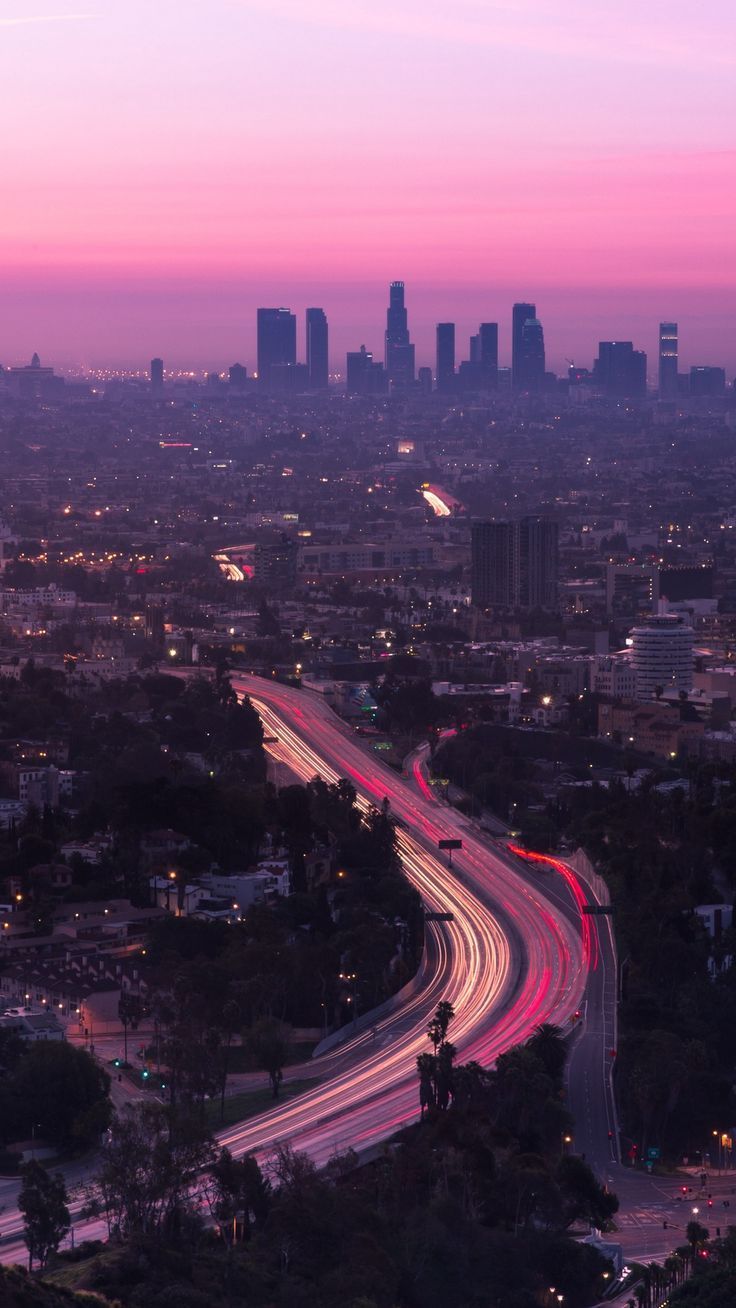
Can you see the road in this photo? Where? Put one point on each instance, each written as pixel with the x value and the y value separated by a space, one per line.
pixel 514 955
pixel 511 958
pixel 646 1202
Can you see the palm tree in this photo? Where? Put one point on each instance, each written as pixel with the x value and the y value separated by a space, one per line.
pixel 426 1064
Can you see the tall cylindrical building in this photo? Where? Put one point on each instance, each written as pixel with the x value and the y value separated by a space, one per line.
pixel 662 655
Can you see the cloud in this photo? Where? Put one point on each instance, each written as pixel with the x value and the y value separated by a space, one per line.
pixel 43 18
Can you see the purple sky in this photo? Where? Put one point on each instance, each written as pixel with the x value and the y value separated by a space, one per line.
pixel 169 166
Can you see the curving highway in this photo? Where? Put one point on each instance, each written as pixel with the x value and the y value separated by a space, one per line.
pixel 512 956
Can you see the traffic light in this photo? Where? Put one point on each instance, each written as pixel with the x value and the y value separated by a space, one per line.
pixel 116 1062
pixel 145 1074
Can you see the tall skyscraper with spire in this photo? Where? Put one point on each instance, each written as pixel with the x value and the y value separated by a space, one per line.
pixel 399 350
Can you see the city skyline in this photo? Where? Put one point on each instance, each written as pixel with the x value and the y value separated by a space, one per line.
pixel 177 189
pixel 645 336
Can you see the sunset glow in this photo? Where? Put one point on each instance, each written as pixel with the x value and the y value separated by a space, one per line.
pixel 170 166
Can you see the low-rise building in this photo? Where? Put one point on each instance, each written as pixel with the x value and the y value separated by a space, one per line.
pixel 32 1024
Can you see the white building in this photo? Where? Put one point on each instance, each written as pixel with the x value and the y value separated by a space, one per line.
pixel 614 676
pixel 32 1024
pixel 662 655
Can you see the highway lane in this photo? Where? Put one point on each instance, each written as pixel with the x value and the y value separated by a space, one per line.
pixel 589 1070
pixel 508 960
pixel 517 960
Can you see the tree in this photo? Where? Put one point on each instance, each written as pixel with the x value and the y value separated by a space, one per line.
pixel 238 1195
pixel 43 1203
pixel 549 1046
pixel 697 1235
pixel 583 1196
pixel 425 1068
pixel 62 1089
pixel 269 1042
pixel 130 1012
pixel 147 1169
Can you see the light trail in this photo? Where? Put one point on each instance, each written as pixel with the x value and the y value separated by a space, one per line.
pixel 231 570
pixel 437 505
pixel 509 959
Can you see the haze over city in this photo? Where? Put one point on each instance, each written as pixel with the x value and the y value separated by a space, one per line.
pixel 171 166
pixel 367 654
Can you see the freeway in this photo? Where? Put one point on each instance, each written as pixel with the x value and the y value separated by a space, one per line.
pixel 511 957
pixel 592 1047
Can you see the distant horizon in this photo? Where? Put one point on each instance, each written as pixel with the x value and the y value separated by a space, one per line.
pixel 166 320
pixel 172 166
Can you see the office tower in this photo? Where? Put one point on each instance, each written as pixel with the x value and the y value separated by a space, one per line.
pixel 399 350
pixel 157 374
pixel 317 350
pixel 424 378
pixel 364 376
pixel 520 314
pixel 667 360
pixel 707 381
pixel 276 342
pixel 289 379
pixel 275 561
pixel 445 356
pixel 662 655
pixel 474 350
pixel 238 376
pixel 620 370
pixel 530 369
pixel 538 566
pixel 488 333
pixel 492 564
pixel 515 564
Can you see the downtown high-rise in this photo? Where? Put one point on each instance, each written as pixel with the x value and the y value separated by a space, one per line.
pixel 317 350
pixel 445 367
pixel 276 344
pixel 668 352
pixel 514 565
pixel 399 356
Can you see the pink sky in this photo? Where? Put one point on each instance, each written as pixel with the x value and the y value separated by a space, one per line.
pixel 169 165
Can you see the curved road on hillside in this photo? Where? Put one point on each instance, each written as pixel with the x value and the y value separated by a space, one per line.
pixel 510 959
pixel 512 956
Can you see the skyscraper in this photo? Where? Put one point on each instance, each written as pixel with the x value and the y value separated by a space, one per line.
pixel 530 371
pixel 515 564
pixel 667 360
pixel 445 356
pixel 399 350
pixel 317 349
pixel 488 333
pixel 276 342
pixel 707 381
pixel 364 376
pixel 620 370
pixel 157 374
pixel 520 314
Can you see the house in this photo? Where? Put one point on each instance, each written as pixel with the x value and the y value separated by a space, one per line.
pixel 31 1024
